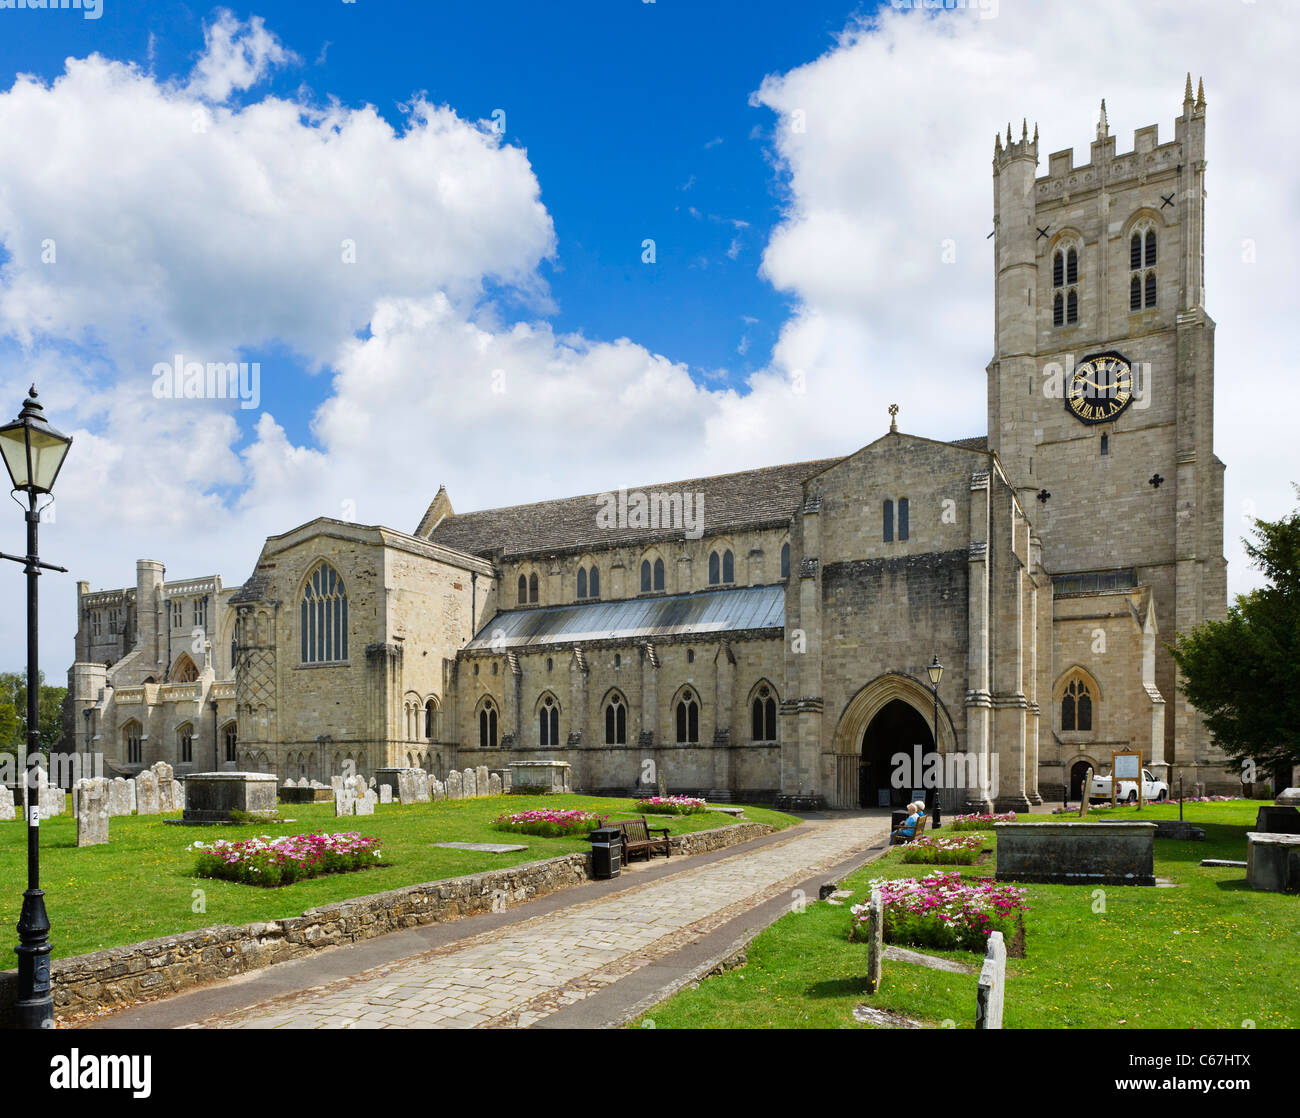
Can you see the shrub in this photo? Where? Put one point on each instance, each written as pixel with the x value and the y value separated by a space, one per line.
pixel 549 824
pixel 959 850
pixel 944 910
pixel 671 805
pixel 281 861
pixel 981 822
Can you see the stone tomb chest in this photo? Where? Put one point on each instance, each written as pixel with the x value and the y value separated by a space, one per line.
pixel 1076 853
pixel 211 797
pixel 539 776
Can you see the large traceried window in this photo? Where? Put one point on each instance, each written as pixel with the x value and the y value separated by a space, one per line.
pixel 688 719
pixel 324 617
pixel 1065 280
pixel 1076 706
pixel 616 720
pixel 487 725
pixel 1142 268
pixel 548 722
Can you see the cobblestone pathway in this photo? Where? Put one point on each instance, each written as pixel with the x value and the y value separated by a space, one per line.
pixel 516 976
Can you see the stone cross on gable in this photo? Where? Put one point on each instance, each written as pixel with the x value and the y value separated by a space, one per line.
pixel 893 417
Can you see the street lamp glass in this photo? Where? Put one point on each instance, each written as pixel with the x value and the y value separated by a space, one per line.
pixel 33 450
pixel 936 671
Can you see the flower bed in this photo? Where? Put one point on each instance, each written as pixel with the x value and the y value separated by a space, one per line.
pixel 671 805
pixel 281 861
pixel 944 910
pixel 936 850
pixel 980 822
pixel 549 824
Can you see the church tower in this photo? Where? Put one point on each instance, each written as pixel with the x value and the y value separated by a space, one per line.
pixel 1101 387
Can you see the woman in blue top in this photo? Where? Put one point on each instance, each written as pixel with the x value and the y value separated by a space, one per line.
pixel 907 829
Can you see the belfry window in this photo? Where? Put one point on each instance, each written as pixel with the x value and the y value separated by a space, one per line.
pixel 1065 277
pixel 323 615
pixel 1142 268
pixel 1076 706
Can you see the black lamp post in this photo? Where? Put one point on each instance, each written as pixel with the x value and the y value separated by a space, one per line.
pixel 935 671
pixel 33 452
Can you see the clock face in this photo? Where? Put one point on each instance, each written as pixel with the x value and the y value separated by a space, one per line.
pixel 1099 388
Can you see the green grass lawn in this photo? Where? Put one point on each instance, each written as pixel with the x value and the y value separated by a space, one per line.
pixel 1209 953
pixel 141 885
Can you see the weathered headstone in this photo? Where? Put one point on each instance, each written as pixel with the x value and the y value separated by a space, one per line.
pixel 875 940
pixel 421 786
pixel 481 780
pixel 494 785
pixel 992 985
pixel 336 782
pixel 366 800
pixel 469 783
pixel 454 791
pixel 385 793
pixel 345 796
pixel 119 796
pixel 437 790
pixel 92 812
pixel 6 803
pixel 146 793
pixel 1086 799
pixel 505 781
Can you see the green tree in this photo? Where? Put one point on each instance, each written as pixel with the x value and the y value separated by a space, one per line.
pixel 1243 673
pixel 13 712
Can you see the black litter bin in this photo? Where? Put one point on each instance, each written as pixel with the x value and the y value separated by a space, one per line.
pixel 606 851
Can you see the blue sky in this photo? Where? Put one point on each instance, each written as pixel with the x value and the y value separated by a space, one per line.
pixel 816 179
pixel 636 118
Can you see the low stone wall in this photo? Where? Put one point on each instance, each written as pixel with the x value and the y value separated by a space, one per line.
pixel 120 976
pixel 1076 853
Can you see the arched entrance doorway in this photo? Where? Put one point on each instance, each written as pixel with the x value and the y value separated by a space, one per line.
pixel 895 747
pixel 1077 772
pixel 891 714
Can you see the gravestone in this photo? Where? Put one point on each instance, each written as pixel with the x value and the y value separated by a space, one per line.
pixel 453 785
pixel 481 780
pixel 421 786
pixel 1273 819
pixel 119 796
pixel 992 984
pixel 406 786
pixel 336 782
pixel 494 785
pixel 345 802
pixel 385 794
pixel 1076 853
pixel 102 784
pixel 437 790
pixel 1288 796
pixel 1273 862
pixel 6 803
pixel 366 800
pixel 169 788
pixel 469 784
pixel 49 798
pixel 875 940
pixel 146 793
pixel 505 781
pixel 92 812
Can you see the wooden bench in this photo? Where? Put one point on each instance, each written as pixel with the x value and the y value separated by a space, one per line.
pixel 639 838
pixel 920 826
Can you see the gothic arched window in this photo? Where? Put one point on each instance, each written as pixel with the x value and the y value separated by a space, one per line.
pixel 785 560
pixel 134 737
pixel 487 725
pixel 728 566
pixel 548 722
pixel 688 719
pixel 1135 251
pixel 1151 249
pixel 430 709
pixel 616 720
pixel 185 736
pixel 523 590
pixel 659 574
pixel 1072 266
pixel 1076 706
pixel 902 518
pixel 889 521
pixel 593 582
pixel 582 582
pixel 324 617
pixel 1065 278
pixel 532 589
pixel 764 715
pixel 1058 269
pixel 1142 262
pixel 231 738
pixel 1058 310
pixel 715 569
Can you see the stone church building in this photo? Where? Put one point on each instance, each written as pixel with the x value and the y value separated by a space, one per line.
pixel 767 634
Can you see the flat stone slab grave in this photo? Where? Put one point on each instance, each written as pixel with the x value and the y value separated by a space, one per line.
pixel 211 797
pixel 1076 853
pixel 1273 862
pixel 482 847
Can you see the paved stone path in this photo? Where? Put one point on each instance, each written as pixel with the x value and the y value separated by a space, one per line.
pixel 518 975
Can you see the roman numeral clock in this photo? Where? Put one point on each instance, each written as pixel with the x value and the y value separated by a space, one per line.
pixel 1100 388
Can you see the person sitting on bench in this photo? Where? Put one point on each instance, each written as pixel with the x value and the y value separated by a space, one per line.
pixel 907 829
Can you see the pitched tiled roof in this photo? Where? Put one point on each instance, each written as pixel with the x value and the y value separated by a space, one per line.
pixel 977 442
pixel 731 501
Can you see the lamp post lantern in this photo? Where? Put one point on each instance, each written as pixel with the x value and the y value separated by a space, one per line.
pixel 935 671
pixel 33 453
